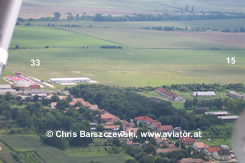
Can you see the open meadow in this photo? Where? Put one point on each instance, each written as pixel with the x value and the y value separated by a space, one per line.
pixel 135 65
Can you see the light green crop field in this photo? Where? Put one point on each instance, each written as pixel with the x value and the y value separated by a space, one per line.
pixel 38 37
pixel 219 24
pixel 139 38
pixel 200 5
pixel 121 67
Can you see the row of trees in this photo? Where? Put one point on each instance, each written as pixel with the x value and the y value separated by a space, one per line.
pixel 142 17
pixel 206 87
pixel 142 155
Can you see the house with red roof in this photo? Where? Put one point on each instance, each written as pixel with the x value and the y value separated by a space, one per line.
pixel 155 125
pixel 168 94
pixel 187 140
pixel 107 117
pixel 165 128
pixel 199 146
pixel 144 119
pixel 112 127
pixel 211 150
pixel 53 105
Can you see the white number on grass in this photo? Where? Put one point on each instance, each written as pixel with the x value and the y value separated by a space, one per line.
pixel 231 60
pixel 36 63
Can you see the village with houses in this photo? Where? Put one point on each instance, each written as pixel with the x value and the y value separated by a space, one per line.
pixel 30 88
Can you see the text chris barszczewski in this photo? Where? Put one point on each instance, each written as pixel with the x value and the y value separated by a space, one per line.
pixel 123 134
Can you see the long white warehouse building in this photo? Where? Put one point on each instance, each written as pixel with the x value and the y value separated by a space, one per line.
pixel 69 80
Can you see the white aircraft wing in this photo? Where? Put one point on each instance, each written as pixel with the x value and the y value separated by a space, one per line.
pixel 9 10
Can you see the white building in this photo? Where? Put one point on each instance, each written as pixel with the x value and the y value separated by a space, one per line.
pixel 236 95
pixel 69 80
pixel 218 113
pixel 204 94
pixel 13 92
pixel 5 86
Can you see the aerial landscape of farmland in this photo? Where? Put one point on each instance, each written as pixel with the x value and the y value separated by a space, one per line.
pixel 120 66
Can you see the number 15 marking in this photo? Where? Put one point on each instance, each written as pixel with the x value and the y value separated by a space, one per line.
pixel 231 60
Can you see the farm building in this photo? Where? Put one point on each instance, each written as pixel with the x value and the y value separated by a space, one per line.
pixel 204 94
pixel 11 91
pixel 201 109
pixel 236 95
pixel 22 82
pixel 4 88
pixel 69 80
pixel 229 118
pixel 168 94
pixel 218 113
pixel 35 92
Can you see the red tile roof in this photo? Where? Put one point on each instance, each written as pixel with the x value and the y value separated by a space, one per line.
pixel 200 145
pixel 54 104
pixel 168 93
pixel 109 116
pixel 166 127
pixel 113 127
pixel 13 78
pixel 145 118
pixel 156 124
pixel 212 149
pixel 187 139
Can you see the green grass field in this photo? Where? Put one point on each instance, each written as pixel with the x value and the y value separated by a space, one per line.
pixel 22 143
pixel 139 38
pixel 38 37
pixel 121 67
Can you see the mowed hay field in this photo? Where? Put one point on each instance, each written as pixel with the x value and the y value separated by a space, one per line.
pixel 121 67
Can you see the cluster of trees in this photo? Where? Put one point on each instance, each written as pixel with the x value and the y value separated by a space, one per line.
pixel 215 132
pixel 166 28
pixel 34 117
pixel 241 29
pixel 235 106
pixel 140 17
pixel 206 87
pixel 110 47
pixel 128 105
pixel 142 155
